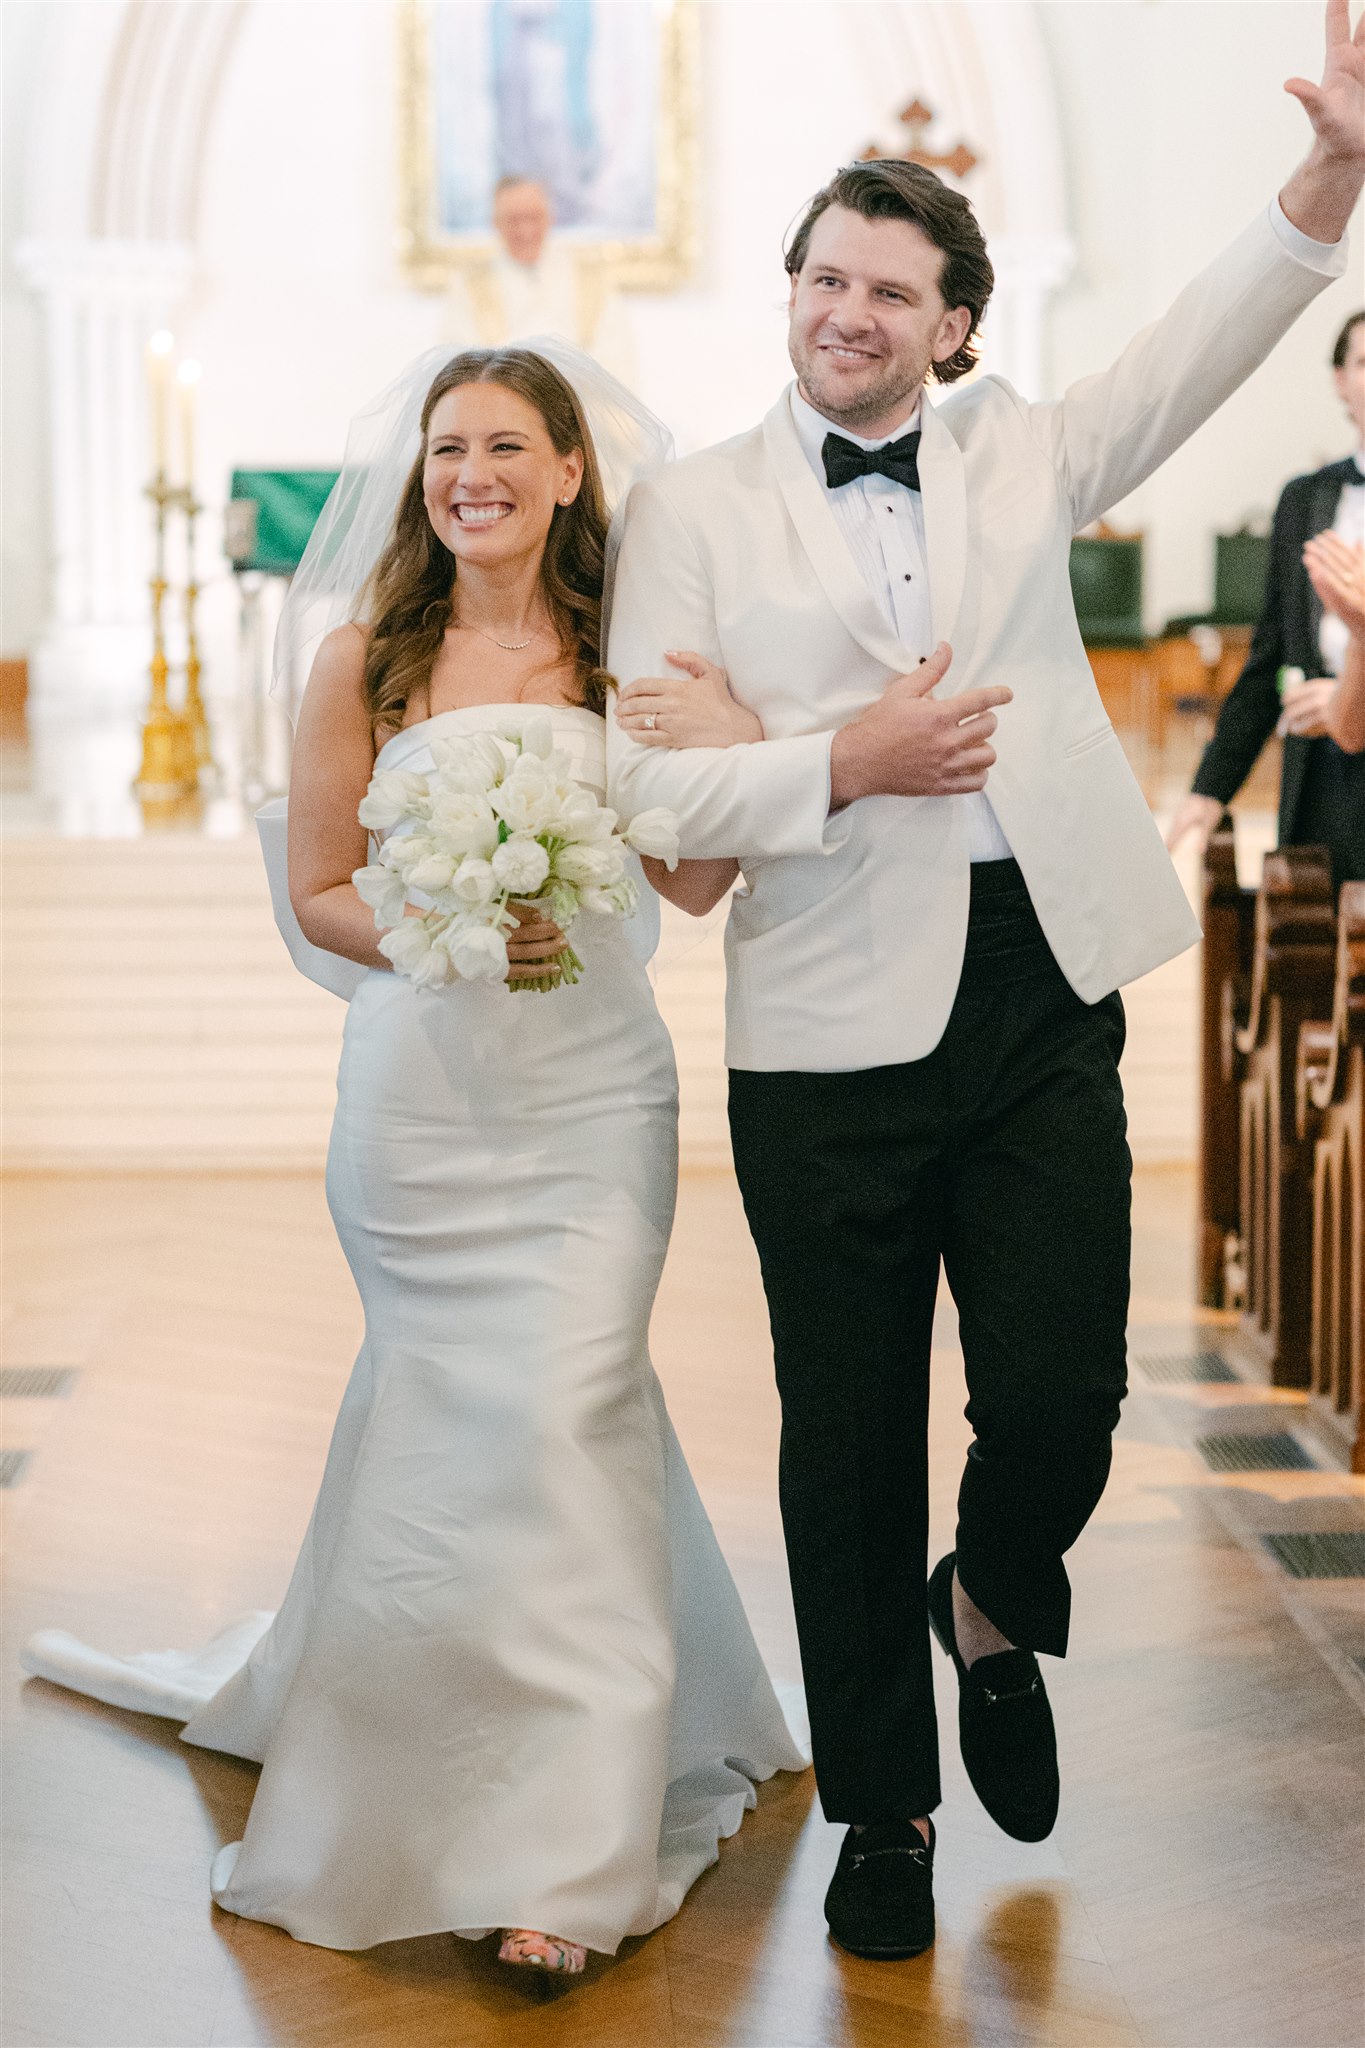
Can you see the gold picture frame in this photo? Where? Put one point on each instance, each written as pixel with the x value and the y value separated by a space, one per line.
pixel 659 259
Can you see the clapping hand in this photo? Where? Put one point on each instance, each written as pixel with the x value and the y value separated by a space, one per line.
pixel 695 709
pixel 1336 571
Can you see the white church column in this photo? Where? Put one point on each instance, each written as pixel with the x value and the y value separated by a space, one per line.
pixel 1029 268
pixel 101 301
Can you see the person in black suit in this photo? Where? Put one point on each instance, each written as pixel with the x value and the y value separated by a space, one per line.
pixel 1322 788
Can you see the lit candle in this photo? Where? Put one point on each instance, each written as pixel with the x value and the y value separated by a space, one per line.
pixel 187 377
pixel 159 375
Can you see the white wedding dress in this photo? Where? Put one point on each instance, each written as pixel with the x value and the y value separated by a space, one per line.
pixel 511 1683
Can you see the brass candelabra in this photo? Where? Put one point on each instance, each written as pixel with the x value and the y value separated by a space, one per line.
pixel 176 747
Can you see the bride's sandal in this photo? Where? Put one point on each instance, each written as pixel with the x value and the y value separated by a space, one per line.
pixel 527 1950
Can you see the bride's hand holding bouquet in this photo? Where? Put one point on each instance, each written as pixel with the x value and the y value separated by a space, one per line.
pixel 499 853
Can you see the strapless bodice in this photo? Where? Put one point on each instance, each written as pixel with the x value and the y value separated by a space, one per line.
pixel 579 734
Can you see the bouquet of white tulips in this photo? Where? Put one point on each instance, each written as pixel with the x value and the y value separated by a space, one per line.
pixel 496 821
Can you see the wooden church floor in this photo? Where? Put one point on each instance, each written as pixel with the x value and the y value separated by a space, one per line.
pixel 1202 1888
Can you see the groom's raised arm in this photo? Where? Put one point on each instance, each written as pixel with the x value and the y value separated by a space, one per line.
pixel 1111 431
pixel 742 802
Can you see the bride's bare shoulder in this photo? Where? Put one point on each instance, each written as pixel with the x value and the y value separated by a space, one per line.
pixel 336 681
pixel 342 651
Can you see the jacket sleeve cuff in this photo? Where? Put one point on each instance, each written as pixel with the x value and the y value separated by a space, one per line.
pixel 1327 258
pixel 1207 784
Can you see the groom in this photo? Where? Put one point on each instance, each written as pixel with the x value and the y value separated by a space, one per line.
pixel 923 1028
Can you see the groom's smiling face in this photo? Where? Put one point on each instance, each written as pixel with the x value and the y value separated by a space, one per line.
pixel 867 319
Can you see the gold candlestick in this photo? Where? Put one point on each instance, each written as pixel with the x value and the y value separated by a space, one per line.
pixel 168 771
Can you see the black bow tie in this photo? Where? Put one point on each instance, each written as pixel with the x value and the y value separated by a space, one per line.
pixel 844 460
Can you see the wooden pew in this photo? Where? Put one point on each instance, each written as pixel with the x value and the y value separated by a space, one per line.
pixel 1227 914
pixel 1330 1106
pixel 1292 979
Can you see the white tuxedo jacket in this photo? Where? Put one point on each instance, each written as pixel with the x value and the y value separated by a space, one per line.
pixel 844 947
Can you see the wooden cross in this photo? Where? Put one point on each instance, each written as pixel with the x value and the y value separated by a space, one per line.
pixel 918 118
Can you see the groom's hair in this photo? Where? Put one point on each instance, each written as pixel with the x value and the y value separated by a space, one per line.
pixel 889 188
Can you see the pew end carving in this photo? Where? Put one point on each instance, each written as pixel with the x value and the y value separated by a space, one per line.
pixel 1269 970
pixel 1330 1113
pixel 1227 913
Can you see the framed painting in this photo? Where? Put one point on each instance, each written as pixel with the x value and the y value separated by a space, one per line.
pixel 596 100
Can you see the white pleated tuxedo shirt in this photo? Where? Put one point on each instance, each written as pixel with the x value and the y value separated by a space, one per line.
pixel 883 523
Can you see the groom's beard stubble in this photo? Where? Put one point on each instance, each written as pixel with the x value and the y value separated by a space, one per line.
pixel 892 389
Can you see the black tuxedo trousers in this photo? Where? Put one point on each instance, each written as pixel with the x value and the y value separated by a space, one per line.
pixel 1001 1157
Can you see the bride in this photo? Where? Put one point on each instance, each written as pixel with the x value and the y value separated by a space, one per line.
pixel 511 1685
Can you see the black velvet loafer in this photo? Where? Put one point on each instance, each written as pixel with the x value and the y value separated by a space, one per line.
pixel 880 1902
pixel 1004 1725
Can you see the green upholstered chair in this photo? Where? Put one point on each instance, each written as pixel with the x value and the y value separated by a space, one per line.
pixel 1106 585
pixel 1241 563
pixel 287 503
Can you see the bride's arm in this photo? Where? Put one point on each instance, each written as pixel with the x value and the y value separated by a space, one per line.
pixel 696 886
pixel 673 711
pixel 331 769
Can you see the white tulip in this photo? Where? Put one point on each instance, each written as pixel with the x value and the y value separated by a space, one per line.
pixel 383 891
pixel 391 797
pixel 520 866
pixel 617 900
pixel 434 971
pixel 538 739
pixel 473 883
pixel 432 872
pixel 473 765
pixel 409 946
pixel 560 900
pixel 476 951
pixel 464 823
pixel 654 832
pixel 525 801
pixel 404 850
pixel 580 814
pixel 590 866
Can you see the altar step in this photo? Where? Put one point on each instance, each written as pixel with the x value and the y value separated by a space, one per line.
pixel 152 1020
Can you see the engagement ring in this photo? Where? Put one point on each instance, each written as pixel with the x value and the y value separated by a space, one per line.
pixel 650 721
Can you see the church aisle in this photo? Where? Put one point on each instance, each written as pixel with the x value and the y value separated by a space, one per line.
pixel 1202 1889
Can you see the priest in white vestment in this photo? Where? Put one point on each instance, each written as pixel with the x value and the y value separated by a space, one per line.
pixel 535 284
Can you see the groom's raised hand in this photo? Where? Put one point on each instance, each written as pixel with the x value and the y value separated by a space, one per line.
pixel 1321 194
pixel 908 744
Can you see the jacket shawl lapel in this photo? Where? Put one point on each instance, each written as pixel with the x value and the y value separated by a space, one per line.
pixel 945 518
pixel 943 482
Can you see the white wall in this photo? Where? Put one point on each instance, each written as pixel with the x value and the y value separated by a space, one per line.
pixel 23 450
pixel 1177 129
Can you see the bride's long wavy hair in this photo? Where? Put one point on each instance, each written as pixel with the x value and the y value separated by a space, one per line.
pixel 409 600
